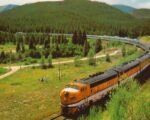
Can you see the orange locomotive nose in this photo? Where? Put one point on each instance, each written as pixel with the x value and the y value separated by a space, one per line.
pixel 69 95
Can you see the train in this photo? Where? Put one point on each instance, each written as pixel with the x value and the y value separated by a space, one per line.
pixel 80 94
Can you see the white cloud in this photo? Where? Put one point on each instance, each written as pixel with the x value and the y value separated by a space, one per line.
pixel 144 5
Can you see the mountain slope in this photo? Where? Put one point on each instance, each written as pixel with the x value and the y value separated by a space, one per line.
pixel 124 8
pixel 70 15
pixel 2 8
pixel 7 7
pixel 141 13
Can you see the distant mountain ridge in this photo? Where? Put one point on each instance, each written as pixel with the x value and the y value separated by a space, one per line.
pixel 7 7
pixel 141 13
pixel 72 15
pixel 124 8
pixel 69 15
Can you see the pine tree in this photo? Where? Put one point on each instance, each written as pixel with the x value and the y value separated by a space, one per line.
pixel 86 48
pixel 74 38
pixel 77 61
pixel 47 42
pixel 43 62
pixel 108 58
pixel 2 57
pixel 98 46
pixel 91 60
pixel 84 38
pixel 123 51
pixel 31 44
pixel 18 48
pixel 50 61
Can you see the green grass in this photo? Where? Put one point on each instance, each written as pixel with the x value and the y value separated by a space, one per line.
pixel 23 96
pixel 8 47
pixel 145 39
pixel 2 71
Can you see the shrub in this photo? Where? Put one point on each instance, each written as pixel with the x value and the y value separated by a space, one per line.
pixel 108 58
pixel 91 59
pixel 95 114
pixel 43 65
pixel 120 99
pixel 77 61
pixel 124 51
pixel 50 61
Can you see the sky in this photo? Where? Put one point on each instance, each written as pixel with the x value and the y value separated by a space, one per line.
pixel 133 3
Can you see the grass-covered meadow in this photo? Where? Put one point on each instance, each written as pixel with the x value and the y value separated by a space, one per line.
pixel 145 39
pixel 3 70
pixel 23 96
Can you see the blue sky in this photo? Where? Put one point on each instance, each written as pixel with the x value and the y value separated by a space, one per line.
pixel 133 3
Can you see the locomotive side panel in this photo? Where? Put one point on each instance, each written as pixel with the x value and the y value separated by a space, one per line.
pixel 104 85
pixel 133 71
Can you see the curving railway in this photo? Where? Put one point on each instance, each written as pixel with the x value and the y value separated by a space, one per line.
pixel 80 94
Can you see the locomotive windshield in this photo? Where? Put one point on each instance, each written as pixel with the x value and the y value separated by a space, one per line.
pixel 72 86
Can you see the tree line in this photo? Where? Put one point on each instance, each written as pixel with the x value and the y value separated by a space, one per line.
pixel 37 46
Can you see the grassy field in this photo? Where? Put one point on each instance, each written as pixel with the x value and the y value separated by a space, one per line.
pixel 145 39
pixel 23 96
pixel 8 48
pixel 2 71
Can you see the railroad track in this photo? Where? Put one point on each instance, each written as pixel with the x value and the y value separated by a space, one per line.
pixel 56 117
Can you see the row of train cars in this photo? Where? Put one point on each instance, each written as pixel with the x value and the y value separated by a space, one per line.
pixel 80 94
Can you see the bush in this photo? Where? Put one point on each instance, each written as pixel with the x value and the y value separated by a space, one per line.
pixel 30 60
pixel 43 65
pixel 77 61
pixel 50 61
pixel 95 114
pixel 91 59
pixel 108 58
pixel 124 52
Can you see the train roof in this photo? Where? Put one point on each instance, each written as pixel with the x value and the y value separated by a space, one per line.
pixel 126 66
pixel 94 80
pixel 100 78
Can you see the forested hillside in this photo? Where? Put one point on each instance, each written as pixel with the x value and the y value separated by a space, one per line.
pixel 142 13
pixel 71 15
